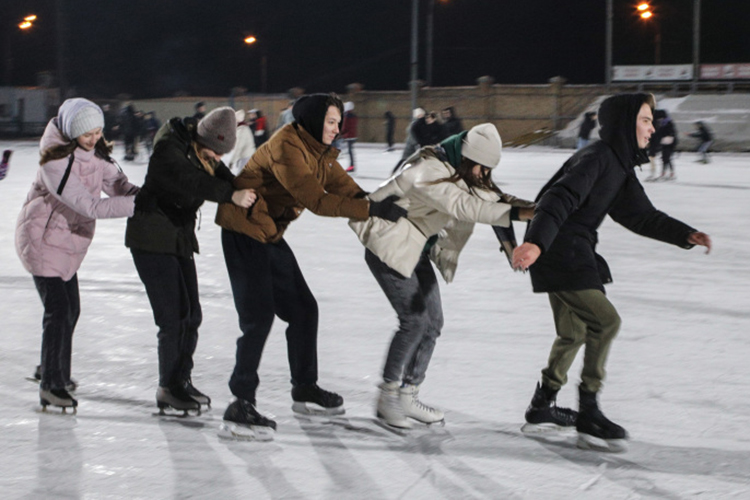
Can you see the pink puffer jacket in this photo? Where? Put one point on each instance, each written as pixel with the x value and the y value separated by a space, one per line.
pixel 54 231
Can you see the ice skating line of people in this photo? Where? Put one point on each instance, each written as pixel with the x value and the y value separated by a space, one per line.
pixel 422 216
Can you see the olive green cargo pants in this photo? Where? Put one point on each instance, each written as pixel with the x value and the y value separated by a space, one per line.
pixel 581 317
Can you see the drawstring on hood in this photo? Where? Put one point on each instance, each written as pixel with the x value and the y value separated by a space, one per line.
pixel 617 118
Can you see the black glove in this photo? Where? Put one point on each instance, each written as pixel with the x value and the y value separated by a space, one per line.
pixel 387 209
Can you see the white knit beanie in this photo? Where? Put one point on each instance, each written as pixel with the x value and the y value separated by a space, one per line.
pixel 77 116
pixel 483 145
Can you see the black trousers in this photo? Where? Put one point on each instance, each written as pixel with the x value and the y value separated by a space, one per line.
pixel 62 307
pixel 350 146
pixel 666 158
pixel 267 282
pixel 172 288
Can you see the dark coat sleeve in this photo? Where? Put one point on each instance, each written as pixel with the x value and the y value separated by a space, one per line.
pixel 563 197
pixel 174 173
pixel 222 172
pixel 634 210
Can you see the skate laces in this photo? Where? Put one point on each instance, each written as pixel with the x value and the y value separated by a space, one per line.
pixel 191 390
pixel 317 395
pixel 420 405
pixel 564 414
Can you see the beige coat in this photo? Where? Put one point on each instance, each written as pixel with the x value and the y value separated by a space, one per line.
pixel 446 209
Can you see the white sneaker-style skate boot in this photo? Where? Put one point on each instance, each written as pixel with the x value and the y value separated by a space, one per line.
pixel 414 408
pixel 389 406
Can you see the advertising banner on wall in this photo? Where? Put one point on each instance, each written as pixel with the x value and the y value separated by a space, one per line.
pixel 664 72
pixel 725 71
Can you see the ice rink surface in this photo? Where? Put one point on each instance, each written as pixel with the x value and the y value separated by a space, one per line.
pixel 678 374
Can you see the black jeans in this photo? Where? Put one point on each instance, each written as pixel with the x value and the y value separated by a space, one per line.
pixel 267 282
pixel 62 306
pixel 172 288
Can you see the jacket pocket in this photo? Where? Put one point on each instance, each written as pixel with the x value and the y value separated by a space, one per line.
pixel 151 232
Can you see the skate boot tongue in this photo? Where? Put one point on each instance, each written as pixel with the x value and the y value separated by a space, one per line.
pixel 312 400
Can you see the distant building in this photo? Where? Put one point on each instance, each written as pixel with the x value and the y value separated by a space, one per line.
pixel 26 110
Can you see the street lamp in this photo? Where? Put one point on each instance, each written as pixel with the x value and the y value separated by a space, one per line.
pixel 645 12
pixel 250 40
pixel 27 23
pixel 608 42
pixel 430 38
pixel 414 57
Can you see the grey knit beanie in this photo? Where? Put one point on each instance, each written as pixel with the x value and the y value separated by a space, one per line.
pixel 218 130
pixel 77 116
pixel 483 145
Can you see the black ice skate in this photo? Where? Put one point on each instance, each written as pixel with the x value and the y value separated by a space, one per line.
pixel 595 431
pixel 543 414
pixel 57 397
pixel 176 398
pixel 196 394
pixel 242 421
pixel 310 399
pixel 70 386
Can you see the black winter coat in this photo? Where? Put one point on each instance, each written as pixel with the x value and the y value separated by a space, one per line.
pixel 428 134
pixel 176 186
pixel 598 180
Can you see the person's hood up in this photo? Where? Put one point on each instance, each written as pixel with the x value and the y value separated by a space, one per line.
pixel 309 111
pixel 52 136
pixel 617 119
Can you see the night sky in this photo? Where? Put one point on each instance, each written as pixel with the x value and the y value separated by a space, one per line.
pixel 154 48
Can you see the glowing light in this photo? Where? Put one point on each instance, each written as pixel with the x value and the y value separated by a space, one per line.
pixel 647 14
pixel 643 6
pixel 25 25
pixel 30 18
pixel 251 39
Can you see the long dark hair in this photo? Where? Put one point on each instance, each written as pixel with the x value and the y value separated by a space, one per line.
pixel 464 173
pixel 102 149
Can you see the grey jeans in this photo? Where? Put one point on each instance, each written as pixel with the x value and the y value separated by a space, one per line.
pixel 416 300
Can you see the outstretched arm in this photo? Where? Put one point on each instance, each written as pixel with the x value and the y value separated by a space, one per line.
pixel 701 239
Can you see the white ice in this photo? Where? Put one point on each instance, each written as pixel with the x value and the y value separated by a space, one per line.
pixel 678 374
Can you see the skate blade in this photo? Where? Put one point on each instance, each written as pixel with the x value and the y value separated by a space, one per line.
pixel 311 409
pixel 422 423
pixel 401 431
pixel 63 409
pixel 170 411
pixel 589 442
pixel 32 379
pixel 546 428
pixel 239 432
